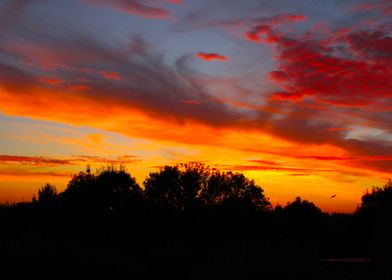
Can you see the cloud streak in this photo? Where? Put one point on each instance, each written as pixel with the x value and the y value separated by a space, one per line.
pixel 37 161
pixel 211 56
pixel 141 8
pixel 75 160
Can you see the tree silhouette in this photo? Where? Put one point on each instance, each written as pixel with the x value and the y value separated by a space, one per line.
pixel 117 189
pixel 376 210
pixel 189 185
pixel 303 213
pixel 110 189
pixel 80 191
pixel 233 188
pixel 47 196
pixel 199 218
pixel 166 189
pixel 376 202
pixel 302 207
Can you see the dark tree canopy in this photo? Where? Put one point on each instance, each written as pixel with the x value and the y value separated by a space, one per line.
pixel 303 209
pixel 47 196
pixel 110 189
pixel 377 201
pixel 174 187
pixel 188 185
pixel 80 190
pixel 117 188
pixel 229 187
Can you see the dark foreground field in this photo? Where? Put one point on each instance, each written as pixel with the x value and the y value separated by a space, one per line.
pixel 82 232
pixel 208 245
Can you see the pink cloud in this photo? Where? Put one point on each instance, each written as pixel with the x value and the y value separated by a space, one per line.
pixel 136 7
pixel 110 75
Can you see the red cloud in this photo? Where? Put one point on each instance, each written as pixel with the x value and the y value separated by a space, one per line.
pixel 374 45
pixel 293 96
pixel 211 56
pixel 110 75
pixel 384 6
pixel 191 101
pixel 282 19
pixel 278 76
pixel 264 162
pixel 358 76
pixel 50 81
pixel 263 31
pixel 136 7
pixel 339 128
pixel 308 66
pixel 79 87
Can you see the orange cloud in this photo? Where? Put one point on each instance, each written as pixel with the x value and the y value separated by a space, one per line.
pixel 211 56
pixel 326 157
pixel 236 167
pixel 136 107
pixel 124 159
pixel 107 112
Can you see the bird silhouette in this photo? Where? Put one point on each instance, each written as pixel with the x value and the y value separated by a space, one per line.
pixel 333 196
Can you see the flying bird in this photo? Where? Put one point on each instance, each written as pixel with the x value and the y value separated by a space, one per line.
pixel 333 196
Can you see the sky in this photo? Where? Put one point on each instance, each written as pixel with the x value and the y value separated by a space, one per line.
pixel 295 94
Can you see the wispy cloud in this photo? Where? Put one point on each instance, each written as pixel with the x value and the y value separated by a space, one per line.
pixel 142 8
pixel 211 56
pixel 75 160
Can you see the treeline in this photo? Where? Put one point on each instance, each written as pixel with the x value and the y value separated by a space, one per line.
pixel 183 187
pixel 194 222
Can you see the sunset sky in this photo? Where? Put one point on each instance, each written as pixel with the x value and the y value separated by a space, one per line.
pixel 295 94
